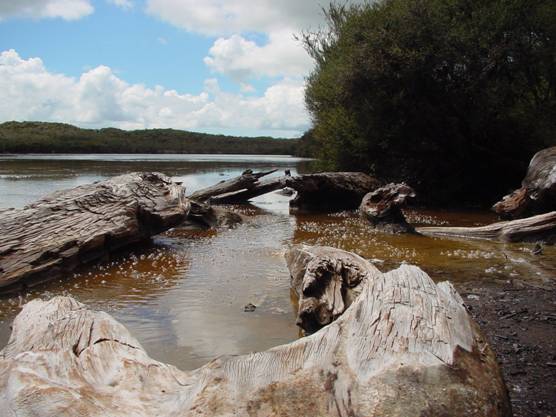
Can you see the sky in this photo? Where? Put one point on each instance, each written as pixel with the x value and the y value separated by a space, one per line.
pixel 216 66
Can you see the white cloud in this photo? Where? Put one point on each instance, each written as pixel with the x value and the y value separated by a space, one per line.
pixel 36 9
pixel 99 98
pixel 242 59
pixel 162 40
pixel 232 53
pixel 225 17
pixel 124 4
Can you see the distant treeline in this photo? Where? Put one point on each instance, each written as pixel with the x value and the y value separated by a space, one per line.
pixel 40 137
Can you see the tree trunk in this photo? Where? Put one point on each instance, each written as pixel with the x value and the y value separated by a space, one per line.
pixel 328 191
pixel 258 189
pixel 538 189
pixel 51 237
pixel 532 229
pixel 405 347
pixel 245 181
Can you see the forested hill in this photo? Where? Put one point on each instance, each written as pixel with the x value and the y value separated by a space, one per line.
pixel 40 137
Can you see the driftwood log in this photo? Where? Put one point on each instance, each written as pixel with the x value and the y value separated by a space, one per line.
pixel 63 230
pixel 405 347
pixel 324 191
pixel 331 190
pixel 382 207
pixel 247 180
pixel 531 229
pixel 538 189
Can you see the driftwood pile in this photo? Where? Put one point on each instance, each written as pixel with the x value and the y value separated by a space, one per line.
pixel 317 192
pixel 404 346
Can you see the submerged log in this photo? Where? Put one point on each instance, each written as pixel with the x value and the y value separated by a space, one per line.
pixel 382 207
pixel 331 190
pixel 531 229
pixel 405 347
pixel 63 230
pixel 246 180
pixel 538 189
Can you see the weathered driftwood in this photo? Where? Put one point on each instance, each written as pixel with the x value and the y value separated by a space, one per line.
pixel 56 234
pixel 405 347
pixel 331 190
pixel 382 207
pixel 245 181
pixel 258 189
pixel 316 192
pixel 538 189
pixel 536 228
pixel 326 282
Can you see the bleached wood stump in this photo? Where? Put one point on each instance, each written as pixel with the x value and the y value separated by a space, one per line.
pixel 405 347
pixel 51 237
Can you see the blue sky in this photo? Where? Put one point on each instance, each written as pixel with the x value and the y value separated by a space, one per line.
pixel 226 66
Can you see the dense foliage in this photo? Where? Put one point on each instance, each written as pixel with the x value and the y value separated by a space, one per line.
pixel 38 137
pixel 449 95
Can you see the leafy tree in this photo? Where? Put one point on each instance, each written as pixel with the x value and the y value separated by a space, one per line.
pixel 453 96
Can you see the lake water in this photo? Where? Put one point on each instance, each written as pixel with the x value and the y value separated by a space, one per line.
pixel 183 297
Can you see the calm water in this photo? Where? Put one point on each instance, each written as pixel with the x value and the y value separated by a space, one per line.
pixel 183 297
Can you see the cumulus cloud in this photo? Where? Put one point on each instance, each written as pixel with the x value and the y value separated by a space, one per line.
pixel 36 9
pixel 235 55
pixel 99 98
pixel 242 59
pixel 225 17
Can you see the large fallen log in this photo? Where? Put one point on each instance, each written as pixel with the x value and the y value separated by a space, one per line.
pixel 538 189
pixel 531 229
pixel 324 191
pixel 331 190
pixel 51 237
pixel 246 180
pixel 405 347
pixel 258 189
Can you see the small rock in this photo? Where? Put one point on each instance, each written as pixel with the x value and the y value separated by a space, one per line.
pixel 249 308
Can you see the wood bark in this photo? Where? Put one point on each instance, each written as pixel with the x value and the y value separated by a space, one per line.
pixel 53 236
pixel 245 181
pixel 382 207
pixel 531 229
pixel 405 347
pixel 538 189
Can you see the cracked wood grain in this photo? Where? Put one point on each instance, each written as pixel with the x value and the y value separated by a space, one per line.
pixel 51 237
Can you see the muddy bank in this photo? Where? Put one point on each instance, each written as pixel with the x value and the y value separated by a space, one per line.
pixel 519 320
